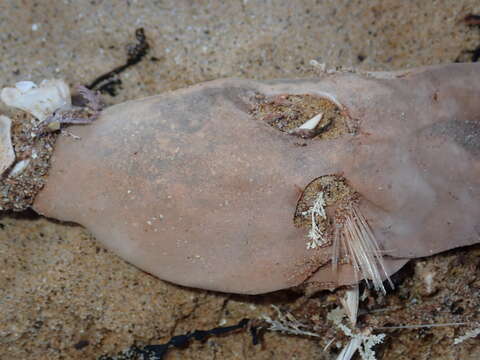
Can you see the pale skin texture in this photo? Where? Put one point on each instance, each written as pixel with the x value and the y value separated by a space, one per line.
pixel 189 187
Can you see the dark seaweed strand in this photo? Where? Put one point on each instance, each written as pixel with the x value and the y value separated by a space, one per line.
pixel 471 20
pixel 157 352
pixel 108 83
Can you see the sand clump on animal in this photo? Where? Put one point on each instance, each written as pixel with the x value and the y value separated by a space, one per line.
pixel 19 188
pixel 288 112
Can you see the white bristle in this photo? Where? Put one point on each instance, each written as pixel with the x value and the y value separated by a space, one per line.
pixel 358 242
pixel 350 303
pixel 350 350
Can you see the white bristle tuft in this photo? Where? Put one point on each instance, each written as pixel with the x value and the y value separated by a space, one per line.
pixel 336 247
pixel 357 240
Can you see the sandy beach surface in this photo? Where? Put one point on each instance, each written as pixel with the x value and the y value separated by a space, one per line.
pixel 63 296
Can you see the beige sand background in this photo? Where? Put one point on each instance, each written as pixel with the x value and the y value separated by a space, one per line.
pixel 62 296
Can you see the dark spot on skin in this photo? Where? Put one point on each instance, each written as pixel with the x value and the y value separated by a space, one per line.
pixel 477 229
pixel 238 97
pixel 194 110
pixel 186 114
pixel 464 133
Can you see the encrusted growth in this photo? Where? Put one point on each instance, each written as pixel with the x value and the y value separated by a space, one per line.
pixel 33 135
pixel 361 340
pixel 306 116
pixel 20 184
pixel 287 324
pixel 321 196
pixel 316 236
pixel 329 208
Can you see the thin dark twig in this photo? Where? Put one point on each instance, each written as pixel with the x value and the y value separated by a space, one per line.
pixel 474 54
pixel 472 19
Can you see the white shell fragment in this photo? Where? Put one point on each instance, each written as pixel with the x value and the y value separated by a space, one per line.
pixel 322 67
pixel 7 155
pixel 312 123
pixel 19 167
pixel 25 86
pixel 39 101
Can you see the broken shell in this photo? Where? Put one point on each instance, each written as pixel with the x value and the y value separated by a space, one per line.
pixel 7 155
pixel 312 123
pixel 19 167
pixel 309 128
pixel 25 86
pixel 39 101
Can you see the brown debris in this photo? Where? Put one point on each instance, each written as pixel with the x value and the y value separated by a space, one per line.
pixel 33 142
pixel 288 112
pixel 335 189
pixel 18 189
pixel 337 194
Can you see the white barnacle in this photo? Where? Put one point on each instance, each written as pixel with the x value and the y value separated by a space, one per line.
pixel 7 154
pixel 40 101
